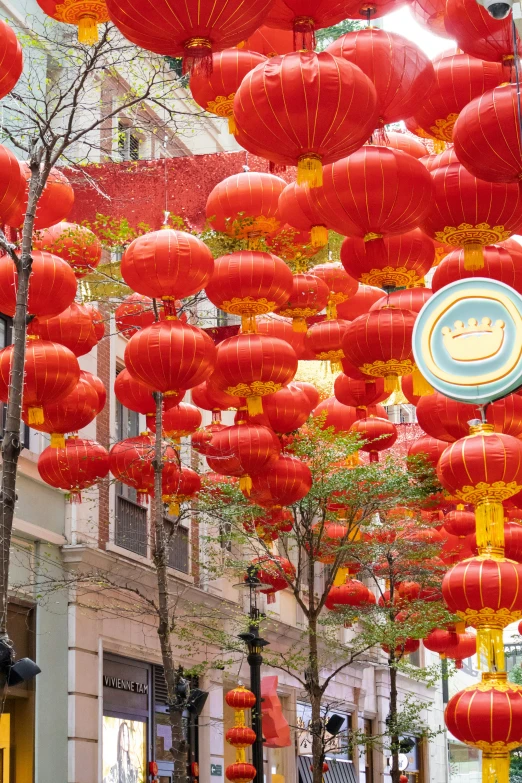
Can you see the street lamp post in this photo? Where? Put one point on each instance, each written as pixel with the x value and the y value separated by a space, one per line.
pixel 255 646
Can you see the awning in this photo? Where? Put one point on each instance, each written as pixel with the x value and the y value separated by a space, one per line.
pixel 339 771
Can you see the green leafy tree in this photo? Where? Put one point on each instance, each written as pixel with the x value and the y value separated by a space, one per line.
pixel 328 35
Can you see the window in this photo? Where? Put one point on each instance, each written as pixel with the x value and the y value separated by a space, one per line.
pixel 131 518
pixel 128 142
pixel 179 548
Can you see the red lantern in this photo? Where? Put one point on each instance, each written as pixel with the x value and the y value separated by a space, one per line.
pixel 52 285
pixel 430 449
pixel 131 462
pixel 458 80
pixel 170 356
pixel 430 14
pixel 85 14
pixel 244 205
pixel 465 646
pixel 352 593
pixel 459 523
pixel 179 421
pixel 134 313
pixel 400 72
pixel 215 92
pixel 440 640
pixel 73 328
pixel 270 42
pixel 282 328
pixel 210 398
pixel 249 283
pixel 324 341
pixel 488 715
pixel 11 59
pixel 274 571
pixel 240 772
pixel 448 419
pixel 253 446
pixel 297 209
pixel 401 260
pixel 433 162
pixel 304 17
pixel 51 372
pixel 252 366
pixel 286 481
pixel 404 142
pixel 69 414
pixel 76 466
pixel 240 736
pixel 336 415
pixel 501 262
pixel 54 204
pixel 310 391
pixel 470 213
pixel 360 303
pixel 478 33
pixel 98 386
pixel 340 284
pixel 309 296
pixel 375 191
pixel 240 698
pixel 358 394
pixel 287 110
pixel 137 396
pixel 166 265
pixel 12 185
pixel 412 299
pixel 182 487
pixel 287 409
pixel 77 245
pixel 192 32
pixel 378 434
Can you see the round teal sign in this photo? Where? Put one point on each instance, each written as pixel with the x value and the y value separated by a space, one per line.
pixel 467 340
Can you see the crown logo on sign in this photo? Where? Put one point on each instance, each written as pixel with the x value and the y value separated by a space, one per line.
pixel 475 341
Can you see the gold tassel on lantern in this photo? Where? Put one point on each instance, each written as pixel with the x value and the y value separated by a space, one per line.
pixel 490 644
pixel 174 508
pixel 310 171
pixel 392 384
pixel 254 405
pixel 421 387
pixel 341 576
pixel 318 236
pixel 248 324
pixel 245 484
pixel 232 127
pixel 57 440
pixel 299 324
pixel 473 257
pixel 495 767
pixel 438 146
pixel 331 310
pixel 35 415
pixel 87 30
pixel 489 517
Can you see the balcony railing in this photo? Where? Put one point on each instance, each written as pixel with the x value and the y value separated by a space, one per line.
pixel 131 526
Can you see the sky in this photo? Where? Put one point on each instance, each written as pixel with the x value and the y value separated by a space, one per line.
pixel 403 23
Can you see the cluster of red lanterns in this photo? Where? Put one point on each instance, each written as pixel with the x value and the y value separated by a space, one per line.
pixel 240 736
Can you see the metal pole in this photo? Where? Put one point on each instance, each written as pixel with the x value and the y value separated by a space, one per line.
pixel 255 660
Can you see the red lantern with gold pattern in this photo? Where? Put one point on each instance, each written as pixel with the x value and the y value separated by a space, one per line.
pixel 137 396
pixel 412 299
pixel 309 296
pixel 73 327
pixel 249 283
pixel 52 285
pixel 400 260
pixel 245 205
pixel 69 414
pixel 54 205
pixel 86 15
pixel 240 772
pixel 374 192
pixel 377 435
pixel 274 571
pixel 470 213
pixel 304 17
pixel 286 481
pixel 193 31
pixel 458 80
pixel 77 245
pixel 181 487
pixel 501 262
pixel 430 449
pixel 179 421
pixel 167 265
pixel 340 284
pixel 479 34
pixel 336 415
pixel 359 303
pixel 254 447
pixel 215 92
pixel 324 341
pixel 297 209
pixel 240 698
pixel 210 398
pixel 269 41
pixel 76 466
pixel 240 736
pixel 488 715
pixel 131 462
pixel 358 394
pixel 287 110
pixel 400 72
pixel 287 409
pixel 170 356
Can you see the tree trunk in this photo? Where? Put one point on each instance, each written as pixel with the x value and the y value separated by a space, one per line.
pixel 395 739
pixel 176 704
pixel 314 689
pixel 11 445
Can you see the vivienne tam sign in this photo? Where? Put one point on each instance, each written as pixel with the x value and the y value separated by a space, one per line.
pixel 125 685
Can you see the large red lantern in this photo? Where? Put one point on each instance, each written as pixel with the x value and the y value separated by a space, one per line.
pixel 210 398
pixel 324 341
pixel 76 466
pixel 376 435
pixel 135 312
pixel 77 245
pixel 167 265
pixel 269 41
pixel 340 284
pixel 170 356
pixel 52 285
pixel 488 715
pixel 73 328
pixel 487 136
pixel 182 487
pixel 356 393
pixel 287 409
pixel 459 522
pixel 12 185
pixel 501 262
pixel 304 17
pixel 391 261
pixel 404 142
pixel 310 391
pixel 296 208
pixel 254 447
pixel 137 396
pixel 478 33
pixel 131 462
pixel 253 365
pixel 178 421
pixel 379 345
pixel 333 413
pixel 484 469
pixel 98 386
pixel 249 283
pixel 360 303
pixel 215 92
pixel 282 328
pixel 352 593
pixel 308 297
pixel 244 205
pixel 287 110
pixel 469 212
pixel 400 72
pixel 374 192
pixel 440 640
pixel 275 571
pixel 84 14
pixel 69 414
pixel 11 59
pixel 54 205
pixel 286 481
pixel 430 449
pixel 412 299
pixel 51 372
pixel 458 79
pixel 193 31
pixel 447 419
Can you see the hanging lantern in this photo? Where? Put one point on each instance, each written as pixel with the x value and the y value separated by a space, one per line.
pixel 400 72
pixel 309 296
pixel 73 327
pixel 488 715
pixel 440 640
pixel 352 593
pixel 374 192
pixel 324 341
pixel 297 209
pixel 444 158
pixel 341 286
pixel 255 448
pixel 430 14
pixel 179 421
pixel 244 206
pixel 377 434
pixel 458 80
pixel 52 285
pixel 412 299
pixel 76 466
pixel 448 419
pixel 480 35
pixel 388 262
pixel 465 646
pixel 167 265
pixel 137 396
pixel 282 328
pixel 501 262
pixel 131 462
pixel 404 142
pixel 336 415
pixel 310 391
pixel 86 15
pixel 51 372
pixel 274 571
pixel 77 245
pixel 329 538
pixel 370 9
pixel 180 487
pixel 287 110
pixel 193 32
pixel 269 41
pixel 54 205
pixel 379 345
pixel 210 398
pixel 470 213
pixel 11 59
pixel 249 283
pixel 359 303
pixel 69 414
pixel 170 356
pixel 287 409
pixel 98 386
pixel 430 449
pixel 240 736
pixel 215 92
pixel 459 523
pixel 286 481
pixel 358 394
pixel 12 185
pixel 304 17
